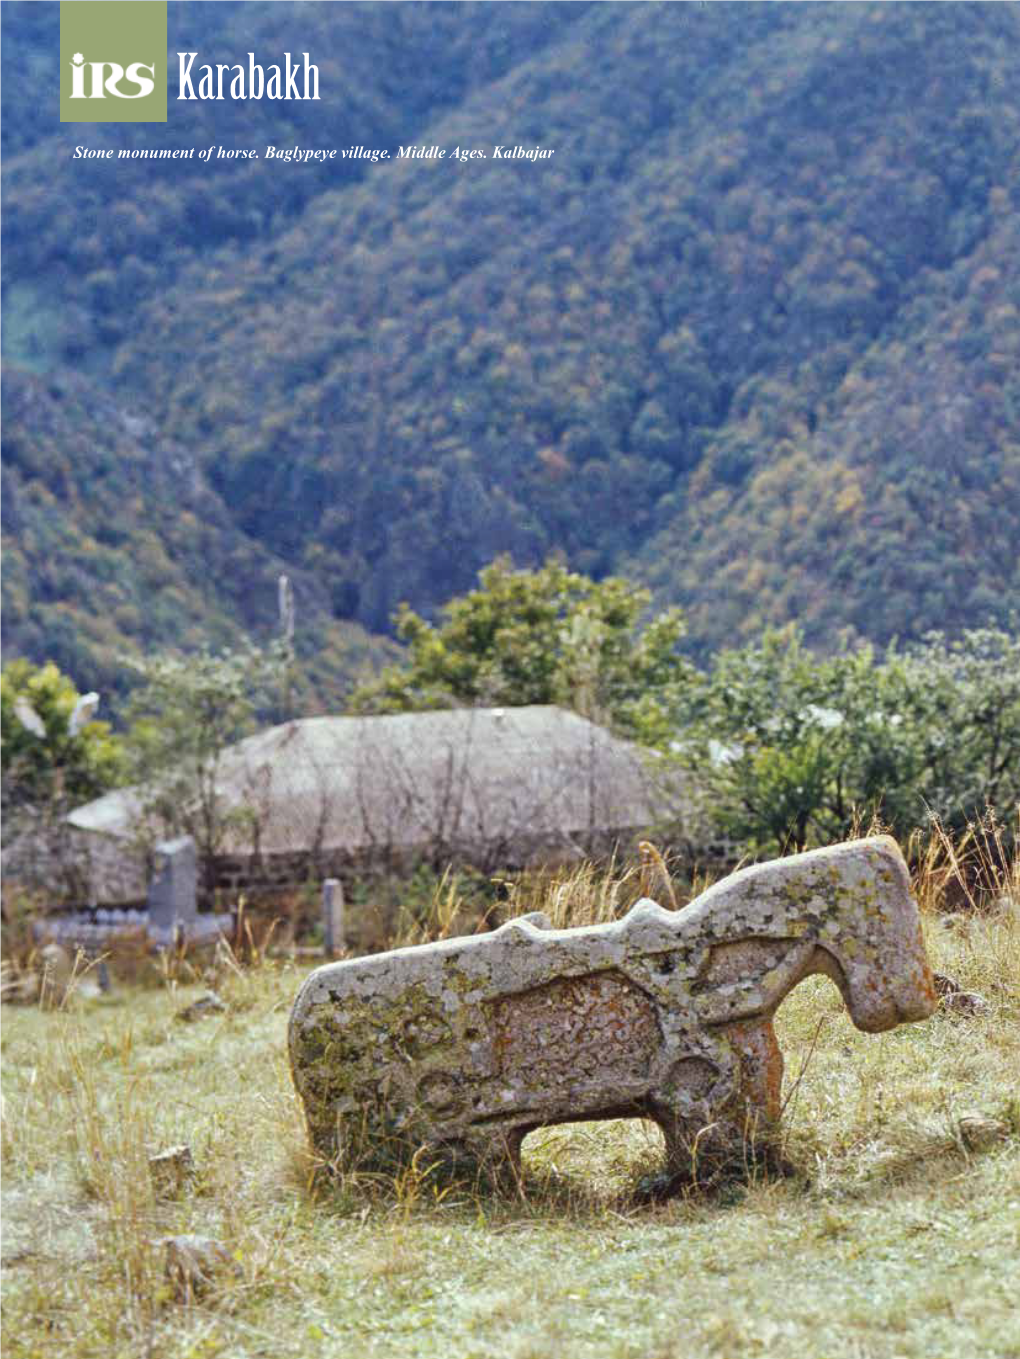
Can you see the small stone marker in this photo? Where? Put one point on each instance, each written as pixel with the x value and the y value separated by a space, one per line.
pixel 466 1045
pixel 173 892
pixel 170 1170
pixel 195 1263
pixel 332 916
pixel 953 998
pixel 209 1004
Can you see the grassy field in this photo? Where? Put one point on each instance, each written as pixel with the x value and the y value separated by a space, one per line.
pixel 898 1236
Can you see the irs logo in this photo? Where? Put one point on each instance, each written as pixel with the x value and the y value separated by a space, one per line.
pixel 103 84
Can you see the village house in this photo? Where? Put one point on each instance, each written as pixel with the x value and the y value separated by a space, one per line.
pixel 338 796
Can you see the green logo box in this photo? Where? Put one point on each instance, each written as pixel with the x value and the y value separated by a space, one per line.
pixel 113 61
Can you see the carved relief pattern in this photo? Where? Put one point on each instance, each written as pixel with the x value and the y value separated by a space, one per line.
pixel 469 1043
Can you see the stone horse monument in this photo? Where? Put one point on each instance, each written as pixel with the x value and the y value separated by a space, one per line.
pixel 468 1044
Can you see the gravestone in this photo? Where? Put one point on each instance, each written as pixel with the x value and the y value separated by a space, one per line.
pixel 171 915
pixel 173 892
pixel 173 898
pixel 466 1045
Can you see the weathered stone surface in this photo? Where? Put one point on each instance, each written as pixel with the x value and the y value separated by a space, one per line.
pixel 171 1169
pixel 173 892
pixel 195 1264
pixel 468 1044
pixel 209 1004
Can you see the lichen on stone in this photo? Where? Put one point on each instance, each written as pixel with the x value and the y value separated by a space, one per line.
pixel 468 1044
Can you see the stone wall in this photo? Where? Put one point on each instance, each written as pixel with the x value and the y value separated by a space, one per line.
pixel 70 867
pixel 66 866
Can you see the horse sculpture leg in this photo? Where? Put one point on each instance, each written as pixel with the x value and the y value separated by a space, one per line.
pixel 761 1068
pixel 759 1106
pixel 718 1116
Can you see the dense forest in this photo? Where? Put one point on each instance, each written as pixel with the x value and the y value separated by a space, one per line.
pixel 114 540
pixel 750 335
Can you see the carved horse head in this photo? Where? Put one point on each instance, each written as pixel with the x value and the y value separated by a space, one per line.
pixel 845 911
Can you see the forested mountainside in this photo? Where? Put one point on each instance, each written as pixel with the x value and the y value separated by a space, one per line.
pixel 114 541
pixel 892 509
pixel 750 334
pixel 85 244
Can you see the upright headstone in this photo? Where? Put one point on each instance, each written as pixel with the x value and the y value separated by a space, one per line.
pixel 173 891
pixel 171 916
pixel 332 916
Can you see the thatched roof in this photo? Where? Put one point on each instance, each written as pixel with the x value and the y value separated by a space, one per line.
pixel 464 778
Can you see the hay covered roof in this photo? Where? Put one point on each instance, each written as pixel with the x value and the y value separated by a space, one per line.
pixel 468 777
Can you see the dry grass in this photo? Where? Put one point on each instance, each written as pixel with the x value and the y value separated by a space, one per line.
pixel 899 1236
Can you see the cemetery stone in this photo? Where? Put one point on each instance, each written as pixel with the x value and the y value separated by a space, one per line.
pixel 468 1044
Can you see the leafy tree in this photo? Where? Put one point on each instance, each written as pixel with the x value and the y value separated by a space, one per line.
pixel 785 746
pixel 51 757
pixel 185 714
pixel 792 749
pixel 545 636
pixel 962 698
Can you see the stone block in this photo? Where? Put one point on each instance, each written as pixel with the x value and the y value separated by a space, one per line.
pixel 468 1044
pixel 173 891
pixel 170 1170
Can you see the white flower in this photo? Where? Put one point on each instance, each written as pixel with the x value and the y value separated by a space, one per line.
pixel 28 717
pixel 881 719
pixel 826 718
pixel 78 58
pixel 82 713
pixel 722 755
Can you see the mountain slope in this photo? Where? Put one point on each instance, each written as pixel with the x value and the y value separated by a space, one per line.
pixel 114 543
pixel 750 333
pixel 135 224
pixel 897 509
pixel 525 357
